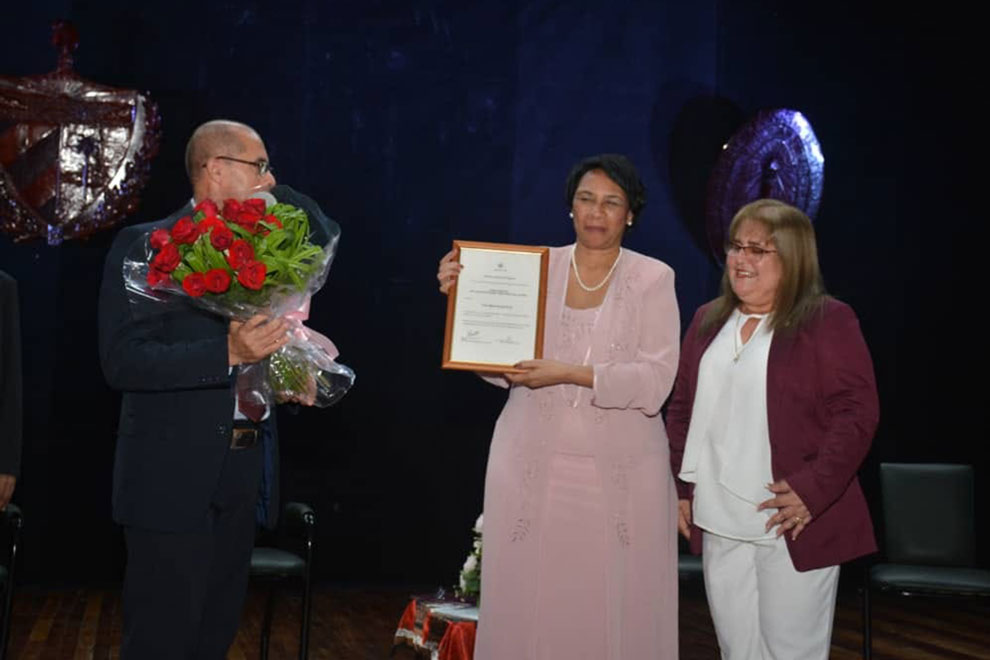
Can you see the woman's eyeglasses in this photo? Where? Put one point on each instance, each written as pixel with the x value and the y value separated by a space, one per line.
pixel 755 252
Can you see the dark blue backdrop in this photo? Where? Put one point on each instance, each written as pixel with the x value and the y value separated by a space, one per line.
pixel 414 123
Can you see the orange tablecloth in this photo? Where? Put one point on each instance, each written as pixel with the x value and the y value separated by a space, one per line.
pixel 442 628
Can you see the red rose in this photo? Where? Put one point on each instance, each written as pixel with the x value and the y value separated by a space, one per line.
pixel 248 219
pixel 252 275
pixel 271 220
pixel 156 277
pixel 221 237
pixel 167 258
pixel 194 284
pixel 185 231
pixel 211 222
pixel 240 253
pixel 230 208
pixel 208 207
pixel 217 280
pixel 159 238
pixel 255 205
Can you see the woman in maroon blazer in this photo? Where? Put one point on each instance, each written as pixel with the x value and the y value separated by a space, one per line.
pixel 774 410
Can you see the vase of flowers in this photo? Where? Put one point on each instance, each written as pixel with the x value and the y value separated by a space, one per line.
pixel 469 584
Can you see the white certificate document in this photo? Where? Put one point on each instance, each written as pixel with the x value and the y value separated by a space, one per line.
pixel 495 315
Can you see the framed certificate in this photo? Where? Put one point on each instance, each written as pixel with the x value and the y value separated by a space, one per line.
pixel 495 309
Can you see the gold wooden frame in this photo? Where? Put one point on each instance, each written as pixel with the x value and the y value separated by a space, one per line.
pixel 491 367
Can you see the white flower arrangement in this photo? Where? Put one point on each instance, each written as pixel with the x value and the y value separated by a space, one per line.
pixel 470 578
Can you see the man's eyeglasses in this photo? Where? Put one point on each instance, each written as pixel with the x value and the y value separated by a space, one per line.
pixel 264 167
pixel 755 252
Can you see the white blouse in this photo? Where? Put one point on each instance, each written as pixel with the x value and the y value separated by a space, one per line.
pixel 727 451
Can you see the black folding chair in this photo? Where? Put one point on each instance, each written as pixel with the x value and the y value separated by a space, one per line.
pixel 928 514
pixel 275 564
pixel 12 521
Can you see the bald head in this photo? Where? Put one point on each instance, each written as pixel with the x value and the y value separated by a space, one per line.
pixel 214 138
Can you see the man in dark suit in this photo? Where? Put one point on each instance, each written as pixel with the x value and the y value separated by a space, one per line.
pixel 11 394
pixel 189 463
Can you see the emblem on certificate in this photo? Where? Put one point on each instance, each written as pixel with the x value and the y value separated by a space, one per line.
pixel 495 310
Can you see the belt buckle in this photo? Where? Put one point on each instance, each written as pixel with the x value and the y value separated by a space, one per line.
pixel 242 438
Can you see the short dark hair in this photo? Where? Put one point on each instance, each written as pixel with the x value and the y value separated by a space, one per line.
pixel 616 167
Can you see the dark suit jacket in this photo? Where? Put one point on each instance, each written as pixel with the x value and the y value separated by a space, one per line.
pixel 11 385
pixel 170 362
pixel 822 409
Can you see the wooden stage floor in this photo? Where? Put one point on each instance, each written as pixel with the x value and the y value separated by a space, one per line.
pixel 357 624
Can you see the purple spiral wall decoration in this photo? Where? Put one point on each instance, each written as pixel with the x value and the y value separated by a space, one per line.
pixel 777 155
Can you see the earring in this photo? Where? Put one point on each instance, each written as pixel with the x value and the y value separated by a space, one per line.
pixel 628 223
pixel 571 214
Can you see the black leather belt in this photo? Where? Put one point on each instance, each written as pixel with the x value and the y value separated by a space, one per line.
pixel 244 437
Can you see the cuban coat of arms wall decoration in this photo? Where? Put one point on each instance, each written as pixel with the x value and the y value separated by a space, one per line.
pixel 74 155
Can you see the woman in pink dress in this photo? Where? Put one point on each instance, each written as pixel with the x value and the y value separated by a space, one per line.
pixel 580 548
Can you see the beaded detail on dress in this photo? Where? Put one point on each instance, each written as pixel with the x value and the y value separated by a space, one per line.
pixel 624 336
pixel 576 328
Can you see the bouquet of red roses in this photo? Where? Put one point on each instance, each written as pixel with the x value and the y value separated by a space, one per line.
pixel 247 258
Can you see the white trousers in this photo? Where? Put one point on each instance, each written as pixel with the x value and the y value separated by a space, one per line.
pixel 762 608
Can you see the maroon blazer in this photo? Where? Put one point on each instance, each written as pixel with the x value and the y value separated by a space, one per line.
pixel 822 409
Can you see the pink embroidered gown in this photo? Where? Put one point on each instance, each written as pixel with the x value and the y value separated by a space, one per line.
pixel 580 554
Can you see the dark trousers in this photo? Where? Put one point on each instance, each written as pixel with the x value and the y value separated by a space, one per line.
pixel 184 591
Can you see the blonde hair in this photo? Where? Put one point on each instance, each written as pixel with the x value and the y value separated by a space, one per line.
pixel 801 291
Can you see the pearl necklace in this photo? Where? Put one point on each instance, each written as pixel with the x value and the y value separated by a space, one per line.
pixel 577 275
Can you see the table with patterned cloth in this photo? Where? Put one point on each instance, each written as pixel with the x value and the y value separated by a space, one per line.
pixel 438 628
